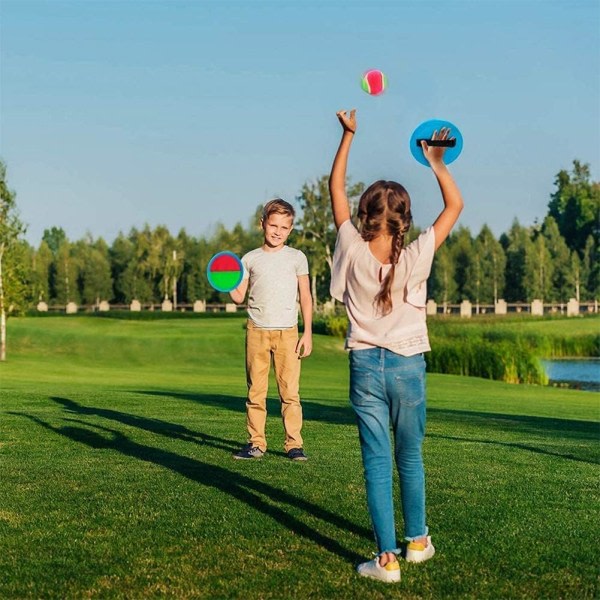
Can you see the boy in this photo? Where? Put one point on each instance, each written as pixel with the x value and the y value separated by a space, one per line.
pixel 274 274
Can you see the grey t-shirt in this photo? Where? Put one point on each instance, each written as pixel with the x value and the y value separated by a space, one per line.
pixel 273 287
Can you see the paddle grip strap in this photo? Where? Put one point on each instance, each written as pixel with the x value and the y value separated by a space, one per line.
pixel 444 143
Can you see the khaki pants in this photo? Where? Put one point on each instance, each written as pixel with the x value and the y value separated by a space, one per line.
pixel 280 344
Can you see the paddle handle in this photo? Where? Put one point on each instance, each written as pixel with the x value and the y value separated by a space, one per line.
pixel 444 143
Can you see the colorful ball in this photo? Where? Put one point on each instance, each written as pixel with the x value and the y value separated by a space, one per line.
pixel 225 271
pixel 374 82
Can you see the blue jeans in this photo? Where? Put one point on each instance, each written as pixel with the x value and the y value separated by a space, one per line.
pixel 387 387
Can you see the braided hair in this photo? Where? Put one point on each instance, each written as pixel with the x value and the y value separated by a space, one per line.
pixel 384 209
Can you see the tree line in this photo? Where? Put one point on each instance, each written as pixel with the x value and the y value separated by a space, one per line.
pixel 553 260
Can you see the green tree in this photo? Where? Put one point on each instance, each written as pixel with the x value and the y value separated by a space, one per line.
pixel 143 267
pixel 194 283
pixel 574 276
pixel 575 205
pixel 590 270
pixel 12 290
pixel 560 286
pixel 95 274
pixel 122 263
pixel 67 274
pixel 463 255
pixel 174 257
pixel 53 238
pixel 41 261
pixel 316 230
pixel 485 273
pixel 494 265
pixel 442 281
pixel 517 245
pixel 539 270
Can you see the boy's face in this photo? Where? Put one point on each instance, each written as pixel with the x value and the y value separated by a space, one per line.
pixel 277 229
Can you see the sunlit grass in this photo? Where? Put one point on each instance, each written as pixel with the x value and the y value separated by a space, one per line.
pixel 117 477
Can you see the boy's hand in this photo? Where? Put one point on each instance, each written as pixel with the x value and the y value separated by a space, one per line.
pixel 348 121
pixel 304 346
pixel 435 154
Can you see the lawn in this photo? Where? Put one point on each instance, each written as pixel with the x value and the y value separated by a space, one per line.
pixel 117 478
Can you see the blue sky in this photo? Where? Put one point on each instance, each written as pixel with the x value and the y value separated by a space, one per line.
pixel 114 114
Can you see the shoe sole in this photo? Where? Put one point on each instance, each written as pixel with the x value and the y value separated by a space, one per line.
pixel 247 457
pixel 379 578
pixel 419 557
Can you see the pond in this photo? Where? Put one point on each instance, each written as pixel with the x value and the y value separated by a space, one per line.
pixel 580 373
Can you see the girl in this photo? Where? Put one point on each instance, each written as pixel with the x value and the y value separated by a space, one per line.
pixel 383 286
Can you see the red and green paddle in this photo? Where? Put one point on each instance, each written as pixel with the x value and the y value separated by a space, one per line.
pixel 225 271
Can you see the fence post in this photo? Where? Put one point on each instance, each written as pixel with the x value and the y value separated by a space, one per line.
pixel 501 307
pixel 466 309
pixel 537 308
pixel 572 307
pixel 431 308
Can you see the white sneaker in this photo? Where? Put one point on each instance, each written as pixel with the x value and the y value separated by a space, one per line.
pixel 417 552
pixel 390 573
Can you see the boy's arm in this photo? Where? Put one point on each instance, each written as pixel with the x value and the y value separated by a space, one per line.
pixel 453 202
pixel 239 294
pixel 337 178
pixel 304 347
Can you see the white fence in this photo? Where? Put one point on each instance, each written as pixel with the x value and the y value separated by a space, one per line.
pixel 536 308
pixel 465 309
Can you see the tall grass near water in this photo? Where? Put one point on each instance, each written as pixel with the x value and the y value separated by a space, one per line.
pixel 506 349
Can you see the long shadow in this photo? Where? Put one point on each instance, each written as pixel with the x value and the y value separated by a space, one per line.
pixel 522 424
pixel 527 423
pixel 312 411
pixel 158 426
pixel 343 414
pixel 514 445
pixel 568 429
pixel 234 483
pixel 240 487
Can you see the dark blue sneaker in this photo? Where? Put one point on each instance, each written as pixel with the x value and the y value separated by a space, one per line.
pixel 296 454
pixel 249 452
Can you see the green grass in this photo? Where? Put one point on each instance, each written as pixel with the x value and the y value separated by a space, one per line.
pixel 117 479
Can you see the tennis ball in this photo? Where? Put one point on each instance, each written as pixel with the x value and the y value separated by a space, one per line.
pixel 374 82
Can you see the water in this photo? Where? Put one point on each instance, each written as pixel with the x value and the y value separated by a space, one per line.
pixel 579 373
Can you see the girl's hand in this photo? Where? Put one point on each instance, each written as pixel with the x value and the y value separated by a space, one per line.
pixel 435 154
pixel 348 121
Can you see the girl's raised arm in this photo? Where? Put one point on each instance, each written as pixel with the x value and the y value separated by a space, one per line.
pixel 337 180
pixel 453 202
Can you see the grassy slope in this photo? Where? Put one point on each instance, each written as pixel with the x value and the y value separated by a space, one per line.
pixel 115 446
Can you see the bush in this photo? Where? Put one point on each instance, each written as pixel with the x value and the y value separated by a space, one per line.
pixel 479 358
pixel 488 348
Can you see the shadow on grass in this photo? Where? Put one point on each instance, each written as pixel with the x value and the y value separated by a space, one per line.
pixel 524 425
pixel 256 494
pixel 568 429
pixel 158 426
pixel 311 411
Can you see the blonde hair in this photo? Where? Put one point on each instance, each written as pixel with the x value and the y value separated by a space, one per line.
pixel 279 207
pixel 384 209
